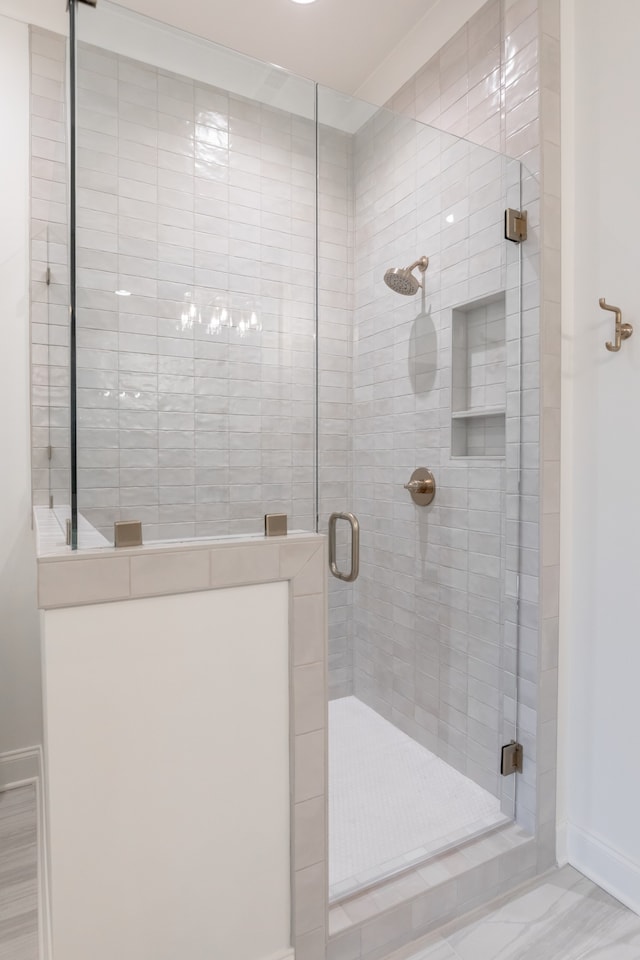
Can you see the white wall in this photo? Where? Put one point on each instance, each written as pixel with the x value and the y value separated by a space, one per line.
pixel 20 712
pixel 600 610
pixel 426 38
pixel 167 748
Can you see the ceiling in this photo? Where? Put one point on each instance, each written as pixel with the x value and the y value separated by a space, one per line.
pixel 369 48
pixel 339 43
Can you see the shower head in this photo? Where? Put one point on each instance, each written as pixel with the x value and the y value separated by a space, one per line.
pixel 401 279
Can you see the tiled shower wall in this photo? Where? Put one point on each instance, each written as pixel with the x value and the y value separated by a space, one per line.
pixel 49 244
pixel 430 602
pixel 200 205
pixel 497 83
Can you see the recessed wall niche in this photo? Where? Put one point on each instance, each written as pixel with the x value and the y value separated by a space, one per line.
pixel 478 380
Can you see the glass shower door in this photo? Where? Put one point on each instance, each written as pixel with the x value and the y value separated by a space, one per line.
pixel 419 370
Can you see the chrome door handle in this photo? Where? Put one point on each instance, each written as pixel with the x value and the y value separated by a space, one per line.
pixel 352 520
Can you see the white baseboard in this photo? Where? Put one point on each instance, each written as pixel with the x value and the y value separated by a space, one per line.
pixel 287 955
pixel 610 869
pixel 19 768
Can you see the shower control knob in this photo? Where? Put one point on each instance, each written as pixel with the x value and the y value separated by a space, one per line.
pixel 422 486
pixel 417 486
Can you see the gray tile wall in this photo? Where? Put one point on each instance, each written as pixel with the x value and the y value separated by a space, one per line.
pixel 196 391
pixel 49 302
pixel 201 205
pixel 430 602
pixel 497 83
pixel 549 509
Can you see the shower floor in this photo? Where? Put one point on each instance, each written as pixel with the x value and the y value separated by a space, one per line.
pixel 392 803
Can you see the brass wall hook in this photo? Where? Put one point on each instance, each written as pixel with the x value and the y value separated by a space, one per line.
pixel 623 330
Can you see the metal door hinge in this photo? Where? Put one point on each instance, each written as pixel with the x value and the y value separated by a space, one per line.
pixel 515 225
pixel 512 759
pixel 49 452
pixel 48 276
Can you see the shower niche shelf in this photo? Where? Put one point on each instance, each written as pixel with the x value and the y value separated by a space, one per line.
pixel 478 412
pixel 478 378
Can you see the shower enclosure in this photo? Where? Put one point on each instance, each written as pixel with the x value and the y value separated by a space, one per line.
pixel 422 646
pixel 237 352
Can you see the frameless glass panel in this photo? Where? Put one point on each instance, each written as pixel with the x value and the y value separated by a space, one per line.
pixel 42 374
pixel 49 302
pixel 195 284
pixel 420 368
pixel 57 280
pixel 50 378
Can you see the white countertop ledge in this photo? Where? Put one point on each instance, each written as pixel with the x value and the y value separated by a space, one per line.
pixel 106 574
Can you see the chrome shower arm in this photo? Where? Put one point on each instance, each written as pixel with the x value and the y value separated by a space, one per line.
pixel 422 264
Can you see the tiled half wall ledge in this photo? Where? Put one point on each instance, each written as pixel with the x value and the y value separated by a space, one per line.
pixel 100 576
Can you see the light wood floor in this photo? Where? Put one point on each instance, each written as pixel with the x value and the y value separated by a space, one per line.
pixel 18 874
